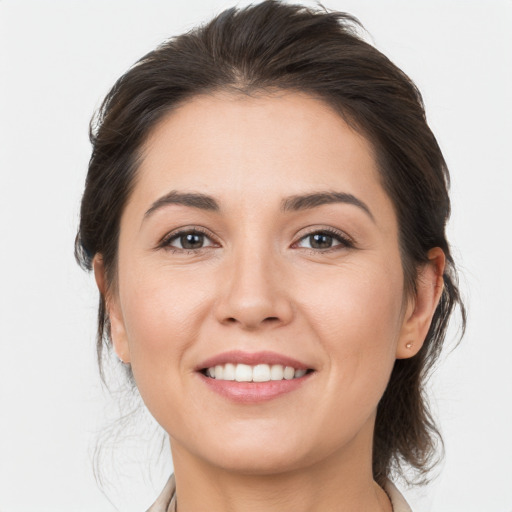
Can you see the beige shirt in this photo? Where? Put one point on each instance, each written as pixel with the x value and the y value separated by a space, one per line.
pixel 166 502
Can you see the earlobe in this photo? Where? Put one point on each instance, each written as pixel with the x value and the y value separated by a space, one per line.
pixel 117 329
pixel 421 308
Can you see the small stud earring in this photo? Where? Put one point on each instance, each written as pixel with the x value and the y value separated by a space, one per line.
pixel 408 344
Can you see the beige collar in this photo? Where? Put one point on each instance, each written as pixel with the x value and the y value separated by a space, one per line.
pixel 166 502
pixel 397 500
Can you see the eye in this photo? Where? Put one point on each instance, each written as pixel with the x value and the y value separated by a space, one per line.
pixel 188 240
pixel 324 240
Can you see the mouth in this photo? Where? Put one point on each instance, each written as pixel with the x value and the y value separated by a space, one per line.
pixel 253 377
pixel 258 373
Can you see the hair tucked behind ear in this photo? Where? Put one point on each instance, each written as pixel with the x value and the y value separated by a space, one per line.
pixel 273 45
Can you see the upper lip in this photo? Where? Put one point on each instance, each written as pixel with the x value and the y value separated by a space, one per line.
pixel 252 359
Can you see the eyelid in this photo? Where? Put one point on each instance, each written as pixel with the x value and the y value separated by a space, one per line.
pixel 344 239
pixel 164 242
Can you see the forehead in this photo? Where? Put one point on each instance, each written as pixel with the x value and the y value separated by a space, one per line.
pixel 231 145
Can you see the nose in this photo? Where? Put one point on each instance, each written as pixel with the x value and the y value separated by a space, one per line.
pixel 254 293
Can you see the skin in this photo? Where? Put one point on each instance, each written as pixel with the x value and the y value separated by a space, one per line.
pixel 259 284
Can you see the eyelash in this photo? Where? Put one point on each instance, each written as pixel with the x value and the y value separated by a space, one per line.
pixel 344 241
pixel 166 241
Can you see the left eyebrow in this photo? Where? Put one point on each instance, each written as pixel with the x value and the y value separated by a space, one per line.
pixel 307 201
pixel 191 199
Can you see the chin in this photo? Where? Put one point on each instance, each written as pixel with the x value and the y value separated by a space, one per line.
pixel 254 454
pixel 259 462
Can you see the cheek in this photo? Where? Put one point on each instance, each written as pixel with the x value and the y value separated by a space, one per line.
pixel 356 318
pixel 356 313
pixel 162 313
pixel 356 296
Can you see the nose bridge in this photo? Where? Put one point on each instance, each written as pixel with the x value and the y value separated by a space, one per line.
pixel 254 293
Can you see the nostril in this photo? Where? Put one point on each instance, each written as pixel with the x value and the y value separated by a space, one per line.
pixel 270 319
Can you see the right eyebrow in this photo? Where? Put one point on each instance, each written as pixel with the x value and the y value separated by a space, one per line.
pixel 192 199
pixel 315 199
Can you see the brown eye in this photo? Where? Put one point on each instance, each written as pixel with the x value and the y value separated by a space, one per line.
pixel 188 241
pixel 322 240
pixel 192 240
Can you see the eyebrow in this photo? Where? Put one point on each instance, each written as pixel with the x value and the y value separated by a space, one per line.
pixel 307 201
pixel 191 199
pixel 293 203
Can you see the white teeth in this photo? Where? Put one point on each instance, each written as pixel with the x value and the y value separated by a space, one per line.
pixel 289 373
pixel 219 372
pixel 277 372
pixel 229 372
pixel 243 373
pixel 258 373
pixel 261 373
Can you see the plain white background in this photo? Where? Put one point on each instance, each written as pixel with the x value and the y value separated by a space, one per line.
pixel 57 61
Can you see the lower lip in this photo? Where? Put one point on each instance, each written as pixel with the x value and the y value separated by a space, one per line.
pixel 253 392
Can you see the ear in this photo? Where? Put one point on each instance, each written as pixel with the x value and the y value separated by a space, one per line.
pixel 421 307
pixel 113 310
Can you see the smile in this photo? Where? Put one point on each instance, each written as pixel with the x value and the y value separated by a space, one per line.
pixel 258 373
pixel 252 377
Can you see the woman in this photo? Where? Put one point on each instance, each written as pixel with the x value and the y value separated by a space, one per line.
pixel 265 216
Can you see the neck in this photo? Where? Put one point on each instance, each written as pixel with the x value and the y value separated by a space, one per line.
pixel 342 481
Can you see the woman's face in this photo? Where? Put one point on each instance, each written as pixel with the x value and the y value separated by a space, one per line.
pixel 257 237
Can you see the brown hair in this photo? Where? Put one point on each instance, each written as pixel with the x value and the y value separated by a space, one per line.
pixel 275 45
